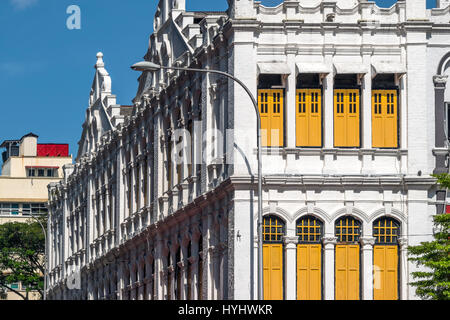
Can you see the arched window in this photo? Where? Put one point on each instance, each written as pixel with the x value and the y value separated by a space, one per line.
pixel 385 259
pixel 348 229
pixel 386 231
pixel 178 275
pixel 273 230
pixel 347 259
pixel 200 269
pixel 189 272
pixel 309 258
pixel 309 230
pixel 169 276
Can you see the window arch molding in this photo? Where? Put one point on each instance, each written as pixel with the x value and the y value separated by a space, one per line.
pixel 279 212
pixel 395 214
pixel 354 212
pixel 445 60
pixel 316 212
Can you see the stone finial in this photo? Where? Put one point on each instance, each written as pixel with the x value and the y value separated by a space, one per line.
pixel 100 63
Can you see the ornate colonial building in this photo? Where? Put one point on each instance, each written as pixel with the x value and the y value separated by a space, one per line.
pixel 353 102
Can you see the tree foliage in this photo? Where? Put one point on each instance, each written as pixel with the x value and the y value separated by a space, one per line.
pixel 434 282
pixel 22 252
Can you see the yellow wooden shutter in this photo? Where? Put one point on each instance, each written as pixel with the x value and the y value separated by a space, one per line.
pixel 309 118
pixel 346 118
pixel 271 105
pixel 385 272
pixel 309 272
pixel 384 119
pixel 277 121
pixel 263 103
pixel 347 272
pixel 353 118
pixel 273 271
pixel 302 129
pixel 391 135
pixel 340 123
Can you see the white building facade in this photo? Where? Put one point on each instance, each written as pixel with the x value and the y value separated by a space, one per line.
pixel 353 102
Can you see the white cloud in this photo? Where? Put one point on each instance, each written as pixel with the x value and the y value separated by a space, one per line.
pixel 22 4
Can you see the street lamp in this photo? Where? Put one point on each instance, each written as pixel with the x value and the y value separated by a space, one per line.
pixel 45 254
pixel 152 67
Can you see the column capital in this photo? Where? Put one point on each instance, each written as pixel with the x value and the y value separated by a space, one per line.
pixel 327 241
pixel 440 81
pixel 289 241
pixel 367 242
pixel 403 243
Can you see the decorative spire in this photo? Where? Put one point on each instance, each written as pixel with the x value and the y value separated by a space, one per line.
pixel 100 63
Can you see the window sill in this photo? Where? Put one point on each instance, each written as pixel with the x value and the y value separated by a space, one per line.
pixel 333 151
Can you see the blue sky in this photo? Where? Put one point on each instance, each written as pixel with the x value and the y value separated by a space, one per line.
pixel 46 70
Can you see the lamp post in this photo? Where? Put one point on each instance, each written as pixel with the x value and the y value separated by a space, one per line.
pixel 152 67
pixel 45 253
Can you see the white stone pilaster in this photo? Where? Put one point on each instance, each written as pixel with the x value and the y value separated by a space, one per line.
pixel 367 244
pixel 290 280
pixel 329 244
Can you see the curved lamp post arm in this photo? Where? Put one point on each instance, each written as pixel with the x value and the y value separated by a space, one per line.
pixel 149 67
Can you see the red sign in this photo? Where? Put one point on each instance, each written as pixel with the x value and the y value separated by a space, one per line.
pixel 52 150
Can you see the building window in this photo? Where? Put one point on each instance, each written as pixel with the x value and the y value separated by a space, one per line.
pixel 273 233
pixel 153 284
pixel 272 117
pixel 384 119
pixel 347 259
pixel 178 275
pixel 200 269
pixel 271 108
pixel 42 172
pixel 14 286
pixel 309 230
pixel 348 230
pixel 189 272
pixel 170 162
pixel 309 111
pixel 386 231
pixel 169 276
pixel 145 183
pixel 346 118
pixel 309 118
pixel 385 259
pixel 309 258
pixel 129 192
pixel 8 209
pixel 191 137
pixel 31 172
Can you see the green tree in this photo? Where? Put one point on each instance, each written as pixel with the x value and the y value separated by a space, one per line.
pixel 22 249
pixel 434 283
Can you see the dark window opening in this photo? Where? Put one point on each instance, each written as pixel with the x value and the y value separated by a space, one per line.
pixel 345 81
pixel 384 81
pixel 308 81
pixel 269 81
